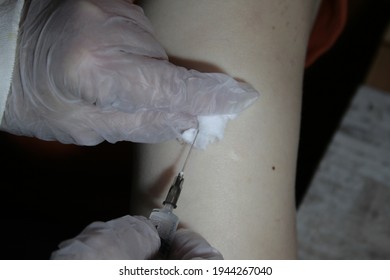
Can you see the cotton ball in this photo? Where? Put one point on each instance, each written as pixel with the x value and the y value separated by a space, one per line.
pixel 211 129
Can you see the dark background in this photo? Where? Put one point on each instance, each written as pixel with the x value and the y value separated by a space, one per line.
pixel 330 83
pixel 49 192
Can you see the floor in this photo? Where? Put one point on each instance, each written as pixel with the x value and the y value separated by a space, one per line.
pixel 346 211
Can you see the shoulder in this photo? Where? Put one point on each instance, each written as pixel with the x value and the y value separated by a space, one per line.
pixel 329 24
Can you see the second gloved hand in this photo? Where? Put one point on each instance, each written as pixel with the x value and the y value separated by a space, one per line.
pixel 92 70
pixel 131 238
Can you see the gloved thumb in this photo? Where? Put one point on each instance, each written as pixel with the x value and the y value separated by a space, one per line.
pixel 189 245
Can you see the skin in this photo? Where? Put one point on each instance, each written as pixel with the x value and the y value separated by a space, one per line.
pixel 238 193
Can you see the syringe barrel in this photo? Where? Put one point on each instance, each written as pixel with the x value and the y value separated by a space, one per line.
pixel 174 191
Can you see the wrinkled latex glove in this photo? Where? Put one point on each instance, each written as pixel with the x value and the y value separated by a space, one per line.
pixel 189 245
pixel 128 237
pixel 92 70
pixel 131 238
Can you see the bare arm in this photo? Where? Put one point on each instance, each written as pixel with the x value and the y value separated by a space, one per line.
pixel 239 193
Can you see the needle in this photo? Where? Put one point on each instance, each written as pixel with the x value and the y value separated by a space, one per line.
pixel 189 153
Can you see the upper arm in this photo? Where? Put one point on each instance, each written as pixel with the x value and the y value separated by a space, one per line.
pixel 239 193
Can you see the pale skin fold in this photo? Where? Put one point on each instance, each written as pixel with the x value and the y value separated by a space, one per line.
pixel 238 193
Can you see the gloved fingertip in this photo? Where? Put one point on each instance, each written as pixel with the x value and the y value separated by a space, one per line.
pixel 251 94
pixel 218 94
pixel 189 245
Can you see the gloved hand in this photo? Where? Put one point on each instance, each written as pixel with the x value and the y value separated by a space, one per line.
pixel 189 245
pixel 92 70
pixel 131 238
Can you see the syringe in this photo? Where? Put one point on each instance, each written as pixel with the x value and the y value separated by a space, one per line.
pixel 164 219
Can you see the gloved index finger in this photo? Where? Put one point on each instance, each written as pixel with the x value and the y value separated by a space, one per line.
pixel 134 82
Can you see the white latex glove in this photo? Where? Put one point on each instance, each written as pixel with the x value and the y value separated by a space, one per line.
pixel 92 70
pixel 189 245
pixel 131 238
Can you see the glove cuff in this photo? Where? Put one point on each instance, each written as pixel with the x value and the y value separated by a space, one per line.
pixel 10 16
